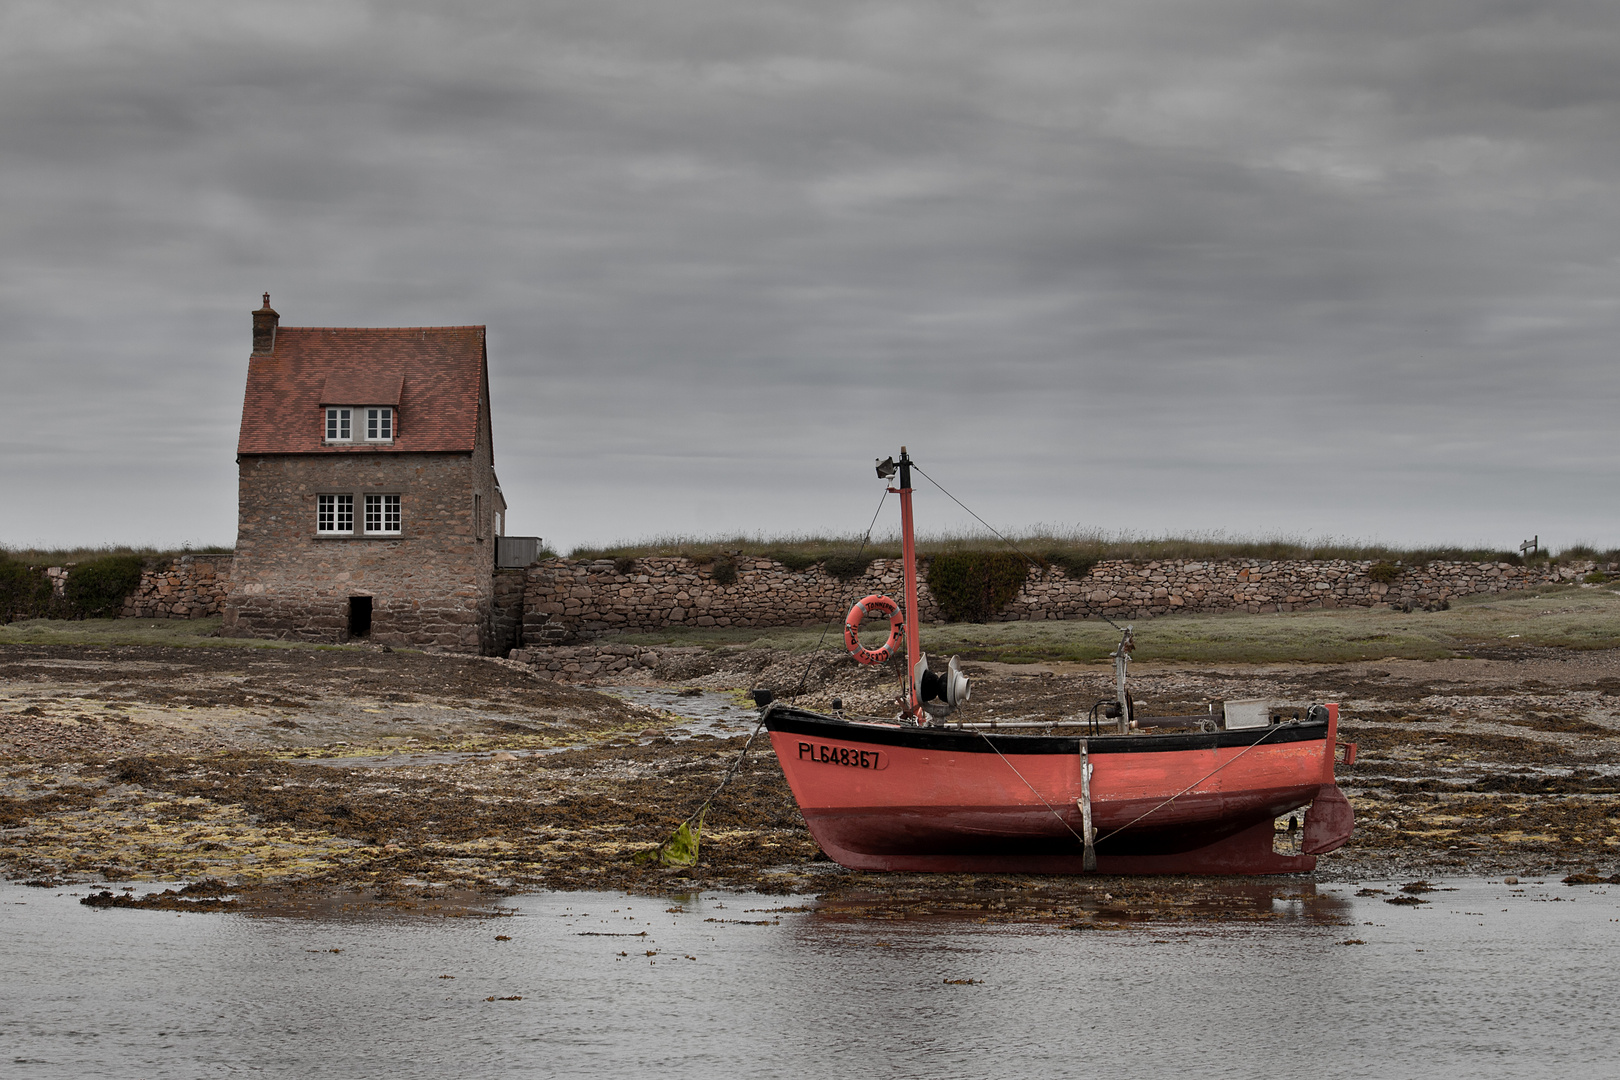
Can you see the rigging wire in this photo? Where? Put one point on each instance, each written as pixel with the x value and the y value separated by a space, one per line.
pixel 1139 817
pixel 1116 626
pixel 1195 783
pixel 1031 786
pixel 799 687
pixel 1003 539
pixel 976 517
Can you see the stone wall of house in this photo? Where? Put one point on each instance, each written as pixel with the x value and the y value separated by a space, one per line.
pixel 568 598
pixel 187 587
pixel 429 586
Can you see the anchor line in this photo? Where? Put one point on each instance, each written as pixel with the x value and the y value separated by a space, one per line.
pixel 1195 783
pixel 735 765
pixel 729 774
pixel 1027 784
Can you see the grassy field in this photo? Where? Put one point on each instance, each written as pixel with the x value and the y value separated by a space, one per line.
pixel 102 632
pixel 1572 618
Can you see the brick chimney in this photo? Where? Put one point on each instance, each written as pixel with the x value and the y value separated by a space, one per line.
pixel 265 321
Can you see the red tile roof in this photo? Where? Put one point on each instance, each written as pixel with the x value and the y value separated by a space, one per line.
pixel 365 388
pixel 434 373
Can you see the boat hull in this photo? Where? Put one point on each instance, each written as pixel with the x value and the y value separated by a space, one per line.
pixel 881 797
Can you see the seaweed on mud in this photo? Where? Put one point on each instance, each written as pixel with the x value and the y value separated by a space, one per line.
pixel 144 769
pixel 1429 797
pixel 1592 879
pixel 15 812
pixel 1375 742
pixel 1579 783
pixel 512 728
pixel 1561 722
pixel 418 816
pixel 207 895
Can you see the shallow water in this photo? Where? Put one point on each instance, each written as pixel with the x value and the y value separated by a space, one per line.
pixel 706 712
pixel 1487 980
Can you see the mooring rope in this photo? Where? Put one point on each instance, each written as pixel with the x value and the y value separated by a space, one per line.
pixel 729 774
pixel 735 765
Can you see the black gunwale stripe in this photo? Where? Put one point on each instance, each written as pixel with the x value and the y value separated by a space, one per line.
pixel 792 721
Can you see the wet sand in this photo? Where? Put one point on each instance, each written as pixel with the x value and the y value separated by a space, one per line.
pixel 394 778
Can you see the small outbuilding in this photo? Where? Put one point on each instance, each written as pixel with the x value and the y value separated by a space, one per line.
pixel 368 506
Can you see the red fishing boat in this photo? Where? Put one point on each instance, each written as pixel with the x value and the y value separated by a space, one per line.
pixel 1123 794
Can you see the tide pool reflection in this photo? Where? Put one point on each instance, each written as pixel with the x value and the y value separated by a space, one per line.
pixel 1283 978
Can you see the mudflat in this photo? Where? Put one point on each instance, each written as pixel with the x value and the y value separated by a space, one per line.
pixel 401 776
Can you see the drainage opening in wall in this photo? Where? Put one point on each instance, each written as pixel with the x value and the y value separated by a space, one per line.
pixel 359 616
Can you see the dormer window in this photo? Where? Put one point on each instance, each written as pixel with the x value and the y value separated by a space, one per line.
pixel 373 425
pixel 379 425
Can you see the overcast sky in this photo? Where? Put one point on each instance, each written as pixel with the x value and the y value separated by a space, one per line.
pixel 1246 266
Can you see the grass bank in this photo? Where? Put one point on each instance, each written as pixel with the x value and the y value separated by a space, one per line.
pixel 68 556
pixel 1573 617
pixel 1566 618
pixel 183 633
pixel 1062 547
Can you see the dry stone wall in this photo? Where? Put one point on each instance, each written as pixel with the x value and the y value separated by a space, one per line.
pixel 1143 590
pixel 189 587
pixel 566 599
pixel 184 587
pixel 562 600
pixel 507 610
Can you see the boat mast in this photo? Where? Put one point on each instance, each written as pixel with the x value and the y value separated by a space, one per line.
pixel 908 551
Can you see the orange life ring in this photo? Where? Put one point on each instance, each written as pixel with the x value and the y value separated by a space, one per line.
pixel 880 605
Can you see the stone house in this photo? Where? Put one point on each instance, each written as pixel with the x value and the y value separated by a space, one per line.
pixel 367 500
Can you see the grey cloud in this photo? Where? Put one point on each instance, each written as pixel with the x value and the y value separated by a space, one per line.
pixel 1240 265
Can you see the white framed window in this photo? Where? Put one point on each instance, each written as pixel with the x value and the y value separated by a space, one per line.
pixel 339 425
pixel 382 514
pixel 334 514
pixel 380 425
